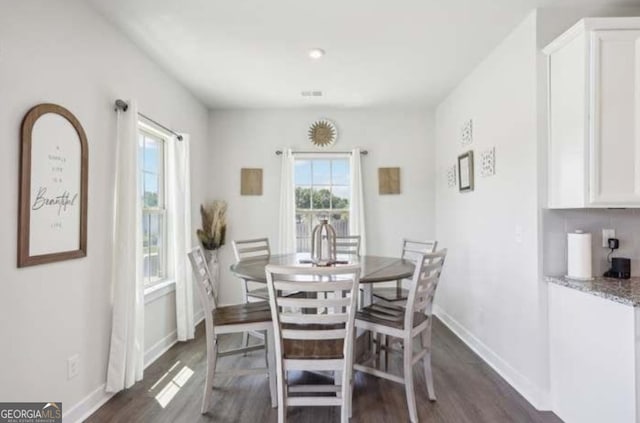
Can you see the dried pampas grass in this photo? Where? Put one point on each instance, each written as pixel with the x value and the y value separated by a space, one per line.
pixel 214 224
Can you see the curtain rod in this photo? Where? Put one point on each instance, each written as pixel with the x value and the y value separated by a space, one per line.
pixel 122 105
pixel 363 152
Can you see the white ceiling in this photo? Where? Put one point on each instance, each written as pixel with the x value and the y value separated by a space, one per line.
pixel 253 53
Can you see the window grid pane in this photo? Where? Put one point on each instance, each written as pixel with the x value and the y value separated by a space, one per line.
pixel 152 173
pixel 327 196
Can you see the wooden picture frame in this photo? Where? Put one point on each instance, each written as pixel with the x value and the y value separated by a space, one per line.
pixel 388 180
pixel 465 171
pixel 52 215
pixel 250 181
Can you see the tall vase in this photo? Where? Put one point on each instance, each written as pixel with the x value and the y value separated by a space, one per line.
pixel 213 264
pixel 323 244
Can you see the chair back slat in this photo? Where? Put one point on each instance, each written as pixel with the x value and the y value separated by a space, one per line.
pixel 206 291
pixel 311 286
pixel 314 334
pixel 251 249
pixel 413 249
pixel 333 318
pixel 313 302
pixel 423 285
pixel 325 314
pixel 348 245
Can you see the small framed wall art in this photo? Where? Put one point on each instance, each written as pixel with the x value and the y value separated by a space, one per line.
pixel 465 171
pixel 488 162
pixel 250 181
pixel 466 132
pixel 389 180
pixel 52 220
pixel 451 176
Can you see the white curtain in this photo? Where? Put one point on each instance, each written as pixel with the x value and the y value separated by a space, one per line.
pixel 179 231
pixel 287 224
pixel 356 209
pixel 126 355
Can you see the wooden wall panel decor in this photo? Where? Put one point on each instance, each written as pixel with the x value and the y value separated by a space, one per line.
pixel 465 172
pixel 54 159
pixel 250 181
pixel 389 180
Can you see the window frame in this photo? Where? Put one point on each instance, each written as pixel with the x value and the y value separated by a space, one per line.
pixel 311 212
pixel 147 130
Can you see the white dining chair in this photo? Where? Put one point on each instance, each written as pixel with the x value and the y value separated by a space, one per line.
pixel 252 291
pixel 406 323
pixel 240 318
pixel 348 246
pixel 252 249
pixel 247 250
pixel 314 333
pixel 411 250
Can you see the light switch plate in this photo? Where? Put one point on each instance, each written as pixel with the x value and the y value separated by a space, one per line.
pixel 73 366
pixel 606 234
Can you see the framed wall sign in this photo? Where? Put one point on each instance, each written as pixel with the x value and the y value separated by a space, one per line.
pixel 52 220
pixel 250 181
pixel 465 171
pixel 389 180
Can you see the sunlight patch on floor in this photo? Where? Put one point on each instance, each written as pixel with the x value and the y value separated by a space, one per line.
pixel 164 375
pixel 170 390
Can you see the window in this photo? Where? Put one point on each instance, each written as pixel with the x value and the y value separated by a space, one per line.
pixel 323 191
pixel 152 177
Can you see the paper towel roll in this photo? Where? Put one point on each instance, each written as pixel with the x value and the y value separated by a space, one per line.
pixel 579 255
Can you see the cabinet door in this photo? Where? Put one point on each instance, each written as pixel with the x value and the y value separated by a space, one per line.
pixel 567 125
pixel 615 116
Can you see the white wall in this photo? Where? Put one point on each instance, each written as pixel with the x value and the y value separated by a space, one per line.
pixel 490 291
pixel 501 239
pixel 556 223
pixel 402 138
pixel 63 52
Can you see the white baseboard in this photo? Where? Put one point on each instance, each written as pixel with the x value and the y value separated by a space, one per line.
pixel 198 318
pixel 159 348
pixel 87 406
pixel 540 400
pixel 96 399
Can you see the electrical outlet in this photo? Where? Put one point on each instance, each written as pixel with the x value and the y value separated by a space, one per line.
pixel 73 366
pixel 518 234
pixel 606 234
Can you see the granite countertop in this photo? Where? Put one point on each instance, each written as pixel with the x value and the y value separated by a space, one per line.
pixel 623 291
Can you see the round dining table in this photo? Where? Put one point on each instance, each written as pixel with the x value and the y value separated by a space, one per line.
pixel 375 269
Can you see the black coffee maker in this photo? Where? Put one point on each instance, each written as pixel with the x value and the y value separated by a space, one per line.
pixel 620 268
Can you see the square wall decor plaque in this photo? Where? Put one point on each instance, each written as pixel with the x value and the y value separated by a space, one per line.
pixel 250 181
pixel 389 180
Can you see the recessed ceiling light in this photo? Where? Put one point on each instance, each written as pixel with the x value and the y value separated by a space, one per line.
pixel 316 53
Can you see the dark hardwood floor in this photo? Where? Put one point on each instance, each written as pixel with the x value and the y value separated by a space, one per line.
pixel 468 391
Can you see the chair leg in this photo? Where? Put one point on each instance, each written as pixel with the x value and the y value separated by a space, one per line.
pixel 426 362
pixel 212 355
pixel 245 299
pixel 350 398
pixel 351 377
pixel 270 356
pixel 346 390
pixel 282 396
pixel 367 294
pixel 245 340
pixel 337 380
pixel 378 347
pixel 386 352
pixel 408 379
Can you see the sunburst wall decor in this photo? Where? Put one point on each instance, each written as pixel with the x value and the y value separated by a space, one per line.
pixel 323 133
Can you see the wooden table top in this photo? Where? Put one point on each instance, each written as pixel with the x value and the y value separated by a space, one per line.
pixel 374 268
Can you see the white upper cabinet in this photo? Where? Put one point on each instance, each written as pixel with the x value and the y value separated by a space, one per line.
pixel 594 115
